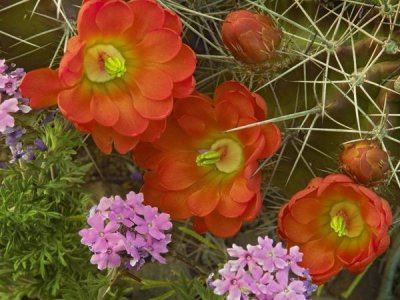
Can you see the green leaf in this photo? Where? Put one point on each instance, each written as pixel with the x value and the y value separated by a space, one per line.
pixel 167 295
pixel 198 237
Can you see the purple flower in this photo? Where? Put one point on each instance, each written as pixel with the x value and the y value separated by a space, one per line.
pixel 97 237
pixel 157 247
pixel 294 257
pixel 245 258
pixel 17 152
pixel 267 272
pixel 49 118
pixel 3 66
pixel 108 256
pixel 13 135
pixel 153 223
pixel 39 144
pixel 136 176
pixel 259 283
pixel 8 84
pixel 6 107
pixel 133 245
pixel 210 281
pixel 140 228
pixel 309 286
pixel 233 283
pixel 269 256
pixel 17 74
pixel 135 201
pixel 287 291
pixel 121 212
pixel 104 206
pixel 28 154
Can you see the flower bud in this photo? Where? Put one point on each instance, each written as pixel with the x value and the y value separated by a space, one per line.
pixel 365 161
pixel 251 37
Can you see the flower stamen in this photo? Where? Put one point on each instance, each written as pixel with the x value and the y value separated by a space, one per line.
pixel 115 67
pixel 338 224
pixel 208 158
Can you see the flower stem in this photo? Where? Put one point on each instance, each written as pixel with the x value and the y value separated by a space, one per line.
pixel 347 293
pixel 114 274
pixel 133 276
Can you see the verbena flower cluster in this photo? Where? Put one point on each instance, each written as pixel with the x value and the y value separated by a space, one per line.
pixel 11 101
pixel 264 272
pixel 126 232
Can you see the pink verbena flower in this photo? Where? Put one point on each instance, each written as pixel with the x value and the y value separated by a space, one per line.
pixel 152 222
pixel 3 66
pixel 108 257
pixel 245 258
pixel 6 107
pixel 8 84
pixel 265 272
pixel 97 236
pixel 126 232
pixel 271 257
pixel 121 212
pixel 235 283
pixel 284 290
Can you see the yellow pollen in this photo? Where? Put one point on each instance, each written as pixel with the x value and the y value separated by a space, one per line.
pixel 115 67
pixel 338 224
pixel 208 158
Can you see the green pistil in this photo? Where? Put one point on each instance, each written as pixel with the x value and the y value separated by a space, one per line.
pixel 115 67
pixel 338 224
pixel 208 158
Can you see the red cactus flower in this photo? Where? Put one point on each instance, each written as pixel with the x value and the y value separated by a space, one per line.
pixel 365 161
pixel 251 37
pixel 120 74
pixel 197 169
pixel 337 224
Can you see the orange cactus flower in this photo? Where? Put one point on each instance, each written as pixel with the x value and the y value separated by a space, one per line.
pixel 337 224
pixel 197 169
pixel 365 161
pixel 120 74
pixel 251 37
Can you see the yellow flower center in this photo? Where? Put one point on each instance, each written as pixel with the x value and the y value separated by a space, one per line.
pixel 104 63
pixel 225 154
pixel 346 218
pixel 115 66
pixel 338 224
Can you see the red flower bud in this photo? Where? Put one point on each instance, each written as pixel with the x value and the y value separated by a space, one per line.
pixel 365 161
pixel 250 37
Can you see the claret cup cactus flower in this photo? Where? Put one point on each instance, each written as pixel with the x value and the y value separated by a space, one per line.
pixel 251 37
pixel 120 74
pixel 337 224
pixel 199 170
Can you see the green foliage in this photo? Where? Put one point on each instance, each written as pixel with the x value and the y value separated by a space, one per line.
pixel 42 208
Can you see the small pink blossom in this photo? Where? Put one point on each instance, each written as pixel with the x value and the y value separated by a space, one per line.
pixel 6 107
